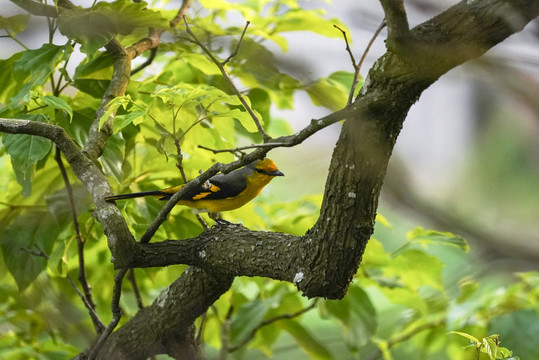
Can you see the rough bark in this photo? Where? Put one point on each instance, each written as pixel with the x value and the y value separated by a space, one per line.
pixel 323 261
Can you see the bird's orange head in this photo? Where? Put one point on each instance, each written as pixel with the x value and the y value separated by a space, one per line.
pixel 266 167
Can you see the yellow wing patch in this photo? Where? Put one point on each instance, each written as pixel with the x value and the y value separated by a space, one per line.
pixel 202 195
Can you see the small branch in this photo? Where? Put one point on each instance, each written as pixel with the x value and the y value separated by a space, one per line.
pixel 12 37
pixel 271 321
pixel 347 46
pixel 98 324
pixel 181 12
pixel 80 242
pixel 221 67
pixel 397 22
pixel 179 165
pixel 116 314
pixel 146 63
pixel 382 25
pixel 406 336
pixel 354 65
pixel 133 281
pixel 239 149
pixel 235 52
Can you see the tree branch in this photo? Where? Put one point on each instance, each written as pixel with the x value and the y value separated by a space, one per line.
pixel 397 23
pixel 120 240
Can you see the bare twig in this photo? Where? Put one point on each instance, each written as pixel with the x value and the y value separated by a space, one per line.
pixel 179 165
pixel 271 321
pixel 116 314
pixel 98 324
pixel 357 66
pixel 235 52
pixel 368 48
pixel 80 241
pixel 239 149
pixel 133 280
pixel 221 67
pixel 146 63
pixel 10 35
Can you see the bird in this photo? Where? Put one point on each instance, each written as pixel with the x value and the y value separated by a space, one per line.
pixel 221 192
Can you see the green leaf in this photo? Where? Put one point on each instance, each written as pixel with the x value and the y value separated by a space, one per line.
pixel 312 347
pixel 427 237
pixel 248 317
pixel 26 232
pixel 25 152
pixel 113 157
pixel 467 287
pixel 416 269
pixel 120 121
pixel 243 117
pixel 58 103
pixel 35 66
pixel 91 29
pixel 113 105
pixel 357 314
pixel 60 208
pixel 467 336
pixel 94 87
pixel 328 93
pixel 301 20
pixel 10 87
pixel 14 24
pixel 94 28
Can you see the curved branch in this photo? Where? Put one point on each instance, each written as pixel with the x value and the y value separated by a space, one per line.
pixel 120 240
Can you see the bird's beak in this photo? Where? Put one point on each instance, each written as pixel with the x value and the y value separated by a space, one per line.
pixel 276 173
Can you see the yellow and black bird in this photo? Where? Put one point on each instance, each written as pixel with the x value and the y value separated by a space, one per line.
pixel 221 192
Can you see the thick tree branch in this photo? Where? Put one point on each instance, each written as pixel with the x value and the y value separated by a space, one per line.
pixel 166 325
pixel 256 253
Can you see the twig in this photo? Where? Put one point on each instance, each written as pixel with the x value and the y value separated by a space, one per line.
pixel 179 165
pixel 406 336
pixel 181 12
pixel 347 46
pixel 80 241
pixel 368 48
pixel 10 35
pixel 271 321
pixel 225 334
pixel 116 314
pixel 133 281
pixel 149 60
pixel 221 67
pixel 357 66
pixel 235 52
pixel 239 149
pixel 95 318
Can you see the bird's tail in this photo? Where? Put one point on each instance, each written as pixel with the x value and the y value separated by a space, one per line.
pixel 136 195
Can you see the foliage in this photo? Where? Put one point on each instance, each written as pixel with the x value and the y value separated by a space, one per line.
pixel 401 304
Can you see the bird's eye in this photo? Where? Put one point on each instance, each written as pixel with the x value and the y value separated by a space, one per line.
pixel 260 171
